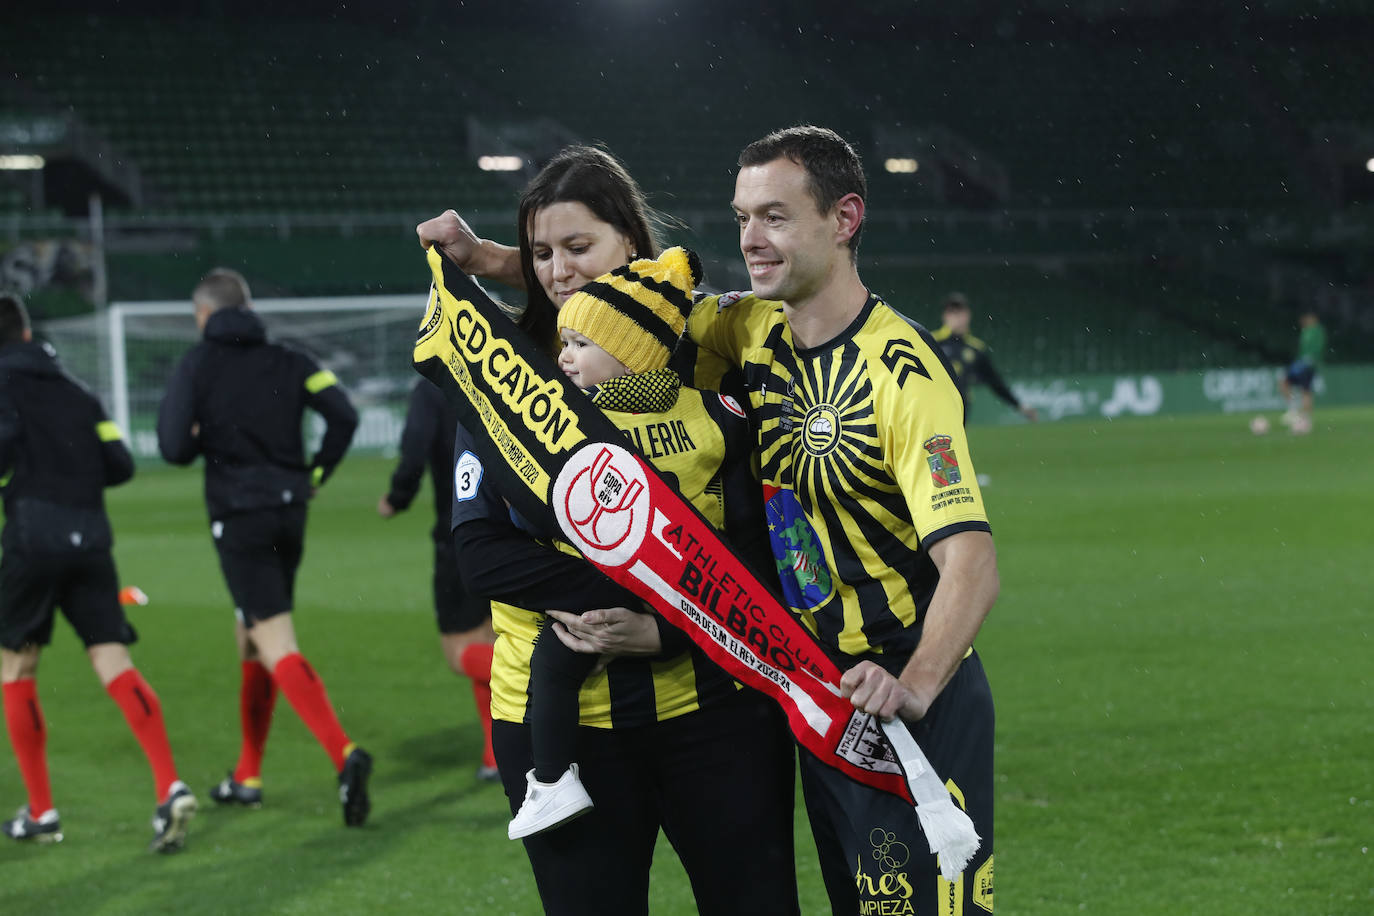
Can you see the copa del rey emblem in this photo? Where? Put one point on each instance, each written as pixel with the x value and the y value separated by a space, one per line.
pixel 600 498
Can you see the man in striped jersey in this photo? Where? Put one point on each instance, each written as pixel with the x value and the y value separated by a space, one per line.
pixel 876 520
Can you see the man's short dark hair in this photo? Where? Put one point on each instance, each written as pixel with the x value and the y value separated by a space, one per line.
pixel 14 319
pixel 833 169
pixel 222 288
pixel 956 302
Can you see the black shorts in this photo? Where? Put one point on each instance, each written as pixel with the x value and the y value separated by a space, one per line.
pixel 83 583
pixel 720 784
pixel 259 552
pixel 854 824
pixel 456 609
pixel 1301 374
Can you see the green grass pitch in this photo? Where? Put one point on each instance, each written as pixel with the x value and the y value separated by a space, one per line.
pixel 1181 658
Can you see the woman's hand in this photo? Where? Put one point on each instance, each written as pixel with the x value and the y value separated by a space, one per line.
pixel 612 631
pixel 474 256
pixel 454 237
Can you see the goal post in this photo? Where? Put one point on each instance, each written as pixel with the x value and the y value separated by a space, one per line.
pixel 364 340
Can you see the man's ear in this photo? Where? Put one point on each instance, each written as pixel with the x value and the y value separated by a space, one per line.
pixel 849 213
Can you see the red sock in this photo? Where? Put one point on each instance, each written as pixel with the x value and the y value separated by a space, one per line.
pixel 305 691
pixel 29 735
pixel 143 712
pixel 476 662
pixel 257 698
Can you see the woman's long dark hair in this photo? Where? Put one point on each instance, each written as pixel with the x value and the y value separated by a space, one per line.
pixel 597 180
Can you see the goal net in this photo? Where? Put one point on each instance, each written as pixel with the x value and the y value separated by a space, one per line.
pixel 127 354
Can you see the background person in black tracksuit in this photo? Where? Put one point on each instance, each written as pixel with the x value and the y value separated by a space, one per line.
pixel 240 401
pixel 58 452
pixel 464 618
pixel 969 359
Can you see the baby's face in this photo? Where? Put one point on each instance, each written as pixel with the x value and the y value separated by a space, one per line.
pixel 585 363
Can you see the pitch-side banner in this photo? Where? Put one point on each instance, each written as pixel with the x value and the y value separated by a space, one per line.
pixel 556 455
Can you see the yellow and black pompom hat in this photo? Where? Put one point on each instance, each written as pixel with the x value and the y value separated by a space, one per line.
pixel 637 312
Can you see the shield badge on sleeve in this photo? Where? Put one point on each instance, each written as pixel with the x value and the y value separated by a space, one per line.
pixel 944 464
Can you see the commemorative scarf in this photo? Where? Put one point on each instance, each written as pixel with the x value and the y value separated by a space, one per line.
pixel 558 459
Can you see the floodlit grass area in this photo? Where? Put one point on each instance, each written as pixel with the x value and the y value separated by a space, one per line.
pixel 1181 658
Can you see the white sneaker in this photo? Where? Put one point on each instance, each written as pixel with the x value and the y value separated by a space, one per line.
pixel 549 804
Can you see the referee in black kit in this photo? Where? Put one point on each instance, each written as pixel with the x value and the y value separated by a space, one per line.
pixel 240 401
pixel 58 453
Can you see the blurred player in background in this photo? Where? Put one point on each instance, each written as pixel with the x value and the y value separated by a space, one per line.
pixel 1302 373
pixel 969 358
pixel 58 452
pixel 240 401
pixel 464 619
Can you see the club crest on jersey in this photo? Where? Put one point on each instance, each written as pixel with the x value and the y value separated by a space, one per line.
pixel 731 405
pixel 597 499
pixel 725 300
pixel 944 464
pixel 821 430
pixel 805 577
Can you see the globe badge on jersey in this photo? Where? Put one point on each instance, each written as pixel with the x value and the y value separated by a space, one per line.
pixel 805 577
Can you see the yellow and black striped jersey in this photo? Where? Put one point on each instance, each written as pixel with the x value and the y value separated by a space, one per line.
pixel 863 459
pixel 700 442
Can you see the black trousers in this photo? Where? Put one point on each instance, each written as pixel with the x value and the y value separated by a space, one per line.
pixel 718 781
pixel 874 857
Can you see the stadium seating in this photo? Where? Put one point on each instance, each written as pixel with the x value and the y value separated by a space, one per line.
pixel 297 131
pixel 1064 323
pixel 371 124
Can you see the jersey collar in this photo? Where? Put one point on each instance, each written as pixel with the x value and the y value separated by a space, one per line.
pixel 844 336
